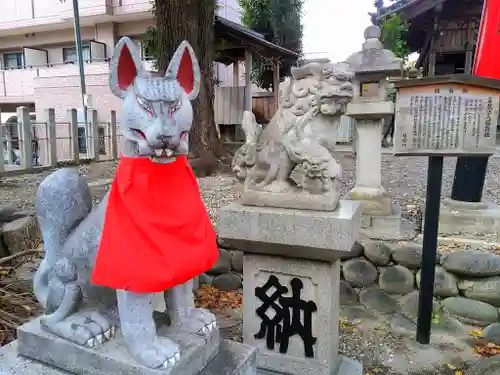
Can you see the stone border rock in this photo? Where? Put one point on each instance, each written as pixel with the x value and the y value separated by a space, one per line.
pixel 227 273
pixel 20 231
pixel 385 278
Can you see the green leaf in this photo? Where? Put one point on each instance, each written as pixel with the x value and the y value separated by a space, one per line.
pixel 280 22
pixel 394 33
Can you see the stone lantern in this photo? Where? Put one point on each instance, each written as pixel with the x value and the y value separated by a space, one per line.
pixel 370 109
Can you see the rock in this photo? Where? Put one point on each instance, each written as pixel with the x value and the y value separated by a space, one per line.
pixel 237 261
pixel 348 295
pixel 402 324
pixel 445 284
pixel 472 263
pixel 359 272
pixel 21 234
pixel 8 213
pixel 223 244
pixel 356 251
pixel 227 282
pixel 378 300
pixel 379 253
pixel 451 325
pixel 396 280
pixel 486 290
pixel 409 305
pixel 358 313
pixel 492 333
pixel 223 264
pixel 470 311
pixel 205 279
pixel 23 213
pixel 485 366
pixel 228 318
pixel 409 255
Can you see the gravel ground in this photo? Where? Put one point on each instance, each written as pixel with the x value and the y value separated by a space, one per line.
pixel 404 177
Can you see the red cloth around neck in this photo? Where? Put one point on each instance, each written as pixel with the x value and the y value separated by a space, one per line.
pixel 157 233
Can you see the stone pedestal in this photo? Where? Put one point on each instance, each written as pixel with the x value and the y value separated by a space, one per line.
pixel 233 358
pixel 291 276
pixel 381 219
pixel 368 190
pixel 43 353
pixel 469 218
pixel 371 108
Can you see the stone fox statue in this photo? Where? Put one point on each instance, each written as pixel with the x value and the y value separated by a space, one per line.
pixel 151 233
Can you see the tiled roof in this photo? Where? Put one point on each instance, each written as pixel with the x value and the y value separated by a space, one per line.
pixel 396 6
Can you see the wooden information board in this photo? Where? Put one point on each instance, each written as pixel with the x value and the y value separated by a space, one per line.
pixel 446 119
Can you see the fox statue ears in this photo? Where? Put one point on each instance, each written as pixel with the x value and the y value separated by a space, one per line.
pixel 126 65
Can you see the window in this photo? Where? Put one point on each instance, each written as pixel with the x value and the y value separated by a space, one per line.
pixel 13 60
pixel 71 56
pixel 449 63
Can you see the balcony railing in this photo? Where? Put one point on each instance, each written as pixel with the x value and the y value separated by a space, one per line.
pixel 28 13
pixel 19 84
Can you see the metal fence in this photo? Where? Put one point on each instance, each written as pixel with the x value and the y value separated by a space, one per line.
pixel 28 144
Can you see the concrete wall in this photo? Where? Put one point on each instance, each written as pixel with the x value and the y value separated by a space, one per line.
pixel 54 84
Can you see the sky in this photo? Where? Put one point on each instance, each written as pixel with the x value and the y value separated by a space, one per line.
pixel 337 30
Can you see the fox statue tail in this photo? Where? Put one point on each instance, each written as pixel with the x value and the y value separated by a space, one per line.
pixel 63 201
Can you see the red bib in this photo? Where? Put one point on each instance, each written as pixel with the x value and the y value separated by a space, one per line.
pixel 157 233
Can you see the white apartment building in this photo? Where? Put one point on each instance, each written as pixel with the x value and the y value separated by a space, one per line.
pixel 38 60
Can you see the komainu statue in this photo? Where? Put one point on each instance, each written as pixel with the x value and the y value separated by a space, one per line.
pixel 150 234
pixel 302 134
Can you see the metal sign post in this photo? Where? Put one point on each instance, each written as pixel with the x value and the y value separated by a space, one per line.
pixel 437 117
pixel 79 52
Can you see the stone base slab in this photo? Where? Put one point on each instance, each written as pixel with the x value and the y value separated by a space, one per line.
pixel 299 200
pixel 112 358
pixel 387 227
pixel 233 359
pixel 483 241
pixel 469 206
pixel 466 218
pixel 373 201
pixel 293 233
pixel 345 366
pixel 319 290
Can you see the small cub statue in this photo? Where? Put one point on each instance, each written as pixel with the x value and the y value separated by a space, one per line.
pixel 150 234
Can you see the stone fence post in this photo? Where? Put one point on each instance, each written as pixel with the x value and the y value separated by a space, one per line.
pixel 72 117
pixel 113 134
pixel 50 118
pixel 25 132
pixel 94 134
pixel 3 139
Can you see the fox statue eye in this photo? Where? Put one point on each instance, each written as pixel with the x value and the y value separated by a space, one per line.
pixel 146 106
pixel 175 107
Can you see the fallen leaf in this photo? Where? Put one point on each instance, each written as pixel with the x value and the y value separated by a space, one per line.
pixel 436 318
pixel 209 297
pixel 487 350
pixel 477 333
pixel 451 367
pixel 345 323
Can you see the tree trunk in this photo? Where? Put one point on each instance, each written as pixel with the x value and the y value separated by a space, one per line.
pixel 192 20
